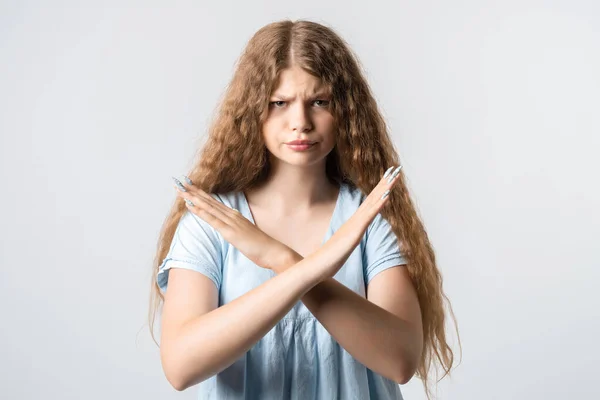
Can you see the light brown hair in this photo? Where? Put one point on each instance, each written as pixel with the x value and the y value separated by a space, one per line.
pixel 234 157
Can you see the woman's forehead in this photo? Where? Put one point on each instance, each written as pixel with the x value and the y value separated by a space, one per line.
pixel 294 81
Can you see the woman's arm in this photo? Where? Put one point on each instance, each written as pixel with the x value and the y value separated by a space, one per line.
pixel 195 347
pixel 387 338
pixel 198 339
pixel 205 345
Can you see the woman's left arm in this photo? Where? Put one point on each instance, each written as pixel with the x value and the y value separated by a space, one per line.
pixel 383 331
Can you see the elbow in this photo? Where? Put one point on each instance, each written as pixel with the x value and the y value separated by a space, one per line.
pixel 404 374
pixel 177 384
pixel 174 376
pixel 404 377
pixel 173 370
pixel 408 361
pixel 177 380
pixel 178 371
pixel 406 367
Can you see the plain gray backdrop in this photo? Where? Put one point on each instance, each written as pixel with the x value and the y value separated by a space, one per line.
pixel 493 107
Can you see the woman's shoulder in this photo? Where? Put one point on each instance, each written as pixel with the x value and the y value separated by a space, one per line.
pixel 232 199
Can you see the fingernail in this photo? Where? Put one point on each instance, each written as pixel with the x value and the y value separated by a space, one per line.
pixel 388 172
pixel 385 194
pixel 394 174
pixel 189 203
pixel 188 180
pixel 179 184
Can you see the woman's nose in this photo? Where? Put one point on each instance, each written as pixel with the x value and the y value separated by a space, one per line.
pixel 299 119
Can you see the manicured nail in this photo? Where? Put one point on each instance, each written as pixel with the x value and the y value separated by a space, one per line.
pixel 188 180
pixel 189 203
pixel 394 174
pixel 388 172
pixel 179 185
pixel 397 171
pixel 385 194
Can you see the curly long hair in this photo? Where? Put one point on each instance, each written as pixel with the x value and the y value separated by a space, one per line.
pixel 234 157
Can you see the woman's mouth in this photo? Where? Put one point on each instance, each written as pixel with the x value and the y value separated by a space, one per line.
pixel 300 146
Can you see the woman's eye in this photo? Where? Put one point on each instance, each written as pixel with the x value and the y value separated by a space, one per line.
pixel 318 103
pixel 324 103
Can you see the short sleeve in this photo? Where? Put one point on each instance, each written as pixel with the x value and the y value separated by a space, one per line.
pixel 195 246
pixel 382 250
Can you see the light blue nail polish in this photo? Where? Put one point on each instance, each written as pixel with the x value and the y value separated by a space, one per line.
pixel 385 194
pixel 189 203
pixel 179 184
pixel 188 180
pixel 388 172
pixel 394 174
pixel 397 171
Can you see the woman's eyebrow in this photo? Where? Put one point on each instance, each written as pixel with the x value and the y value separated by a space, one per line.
pixel 318 94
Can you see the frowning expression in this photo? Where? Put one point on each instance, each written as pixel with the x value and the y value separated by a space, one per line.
pixel 299 109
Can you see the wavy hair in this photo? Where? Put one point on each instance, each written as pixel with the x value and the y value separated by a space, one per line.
pixel 235 158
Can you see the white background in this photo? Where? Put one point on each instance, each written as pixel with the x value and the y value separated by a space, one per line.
pixel 494 109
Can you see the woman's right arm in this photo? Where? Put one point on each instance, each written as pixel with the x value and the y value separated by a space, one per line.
pixel 200 339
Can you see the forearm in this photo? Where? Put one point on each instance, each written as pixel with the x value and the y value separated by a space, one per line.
pixel 211 342
pixel 375 337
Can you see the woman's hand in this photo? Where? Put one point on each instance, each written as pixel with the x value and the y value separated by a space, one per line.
pixel 240 232
pixel 338 248
pixel 265 251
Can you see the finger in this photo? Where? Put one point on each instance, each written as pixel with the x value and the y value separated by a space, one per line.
pixel 381 191
pixel 211 219
pixel 206 202
pixel 388 172
pixel 391 181
pixel 188 180
pixel 186 185
pixel 198 206
pixel 185 181
pixel 203 201
pixel 178 184
pixel 227 213
pixel 393 177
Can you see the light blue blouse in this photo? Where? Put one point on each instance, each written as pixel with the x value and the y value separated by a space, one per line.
pixel 297 358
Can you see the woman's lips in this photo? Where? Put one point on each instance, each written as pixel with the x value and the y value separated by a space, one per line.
pixel 300 147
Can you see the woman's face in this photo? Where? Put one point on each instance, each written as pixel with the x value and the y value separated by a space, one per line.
pixel 299 109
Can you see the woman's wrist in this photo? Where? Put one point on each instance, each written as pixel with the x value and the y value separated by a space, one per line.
pixel 279 258
pixel 331 256
pixel 288 258
pixel 285 258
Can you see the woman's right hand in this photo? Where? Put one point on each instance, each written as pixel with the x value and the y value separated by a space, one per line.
pixel 338 248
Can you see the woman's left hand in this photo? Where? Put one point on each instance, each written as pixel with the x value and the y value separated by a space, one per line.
pixel 240 232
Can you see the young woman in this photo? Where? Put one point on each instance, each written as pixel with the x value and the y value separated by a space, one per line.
pixel 293 264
